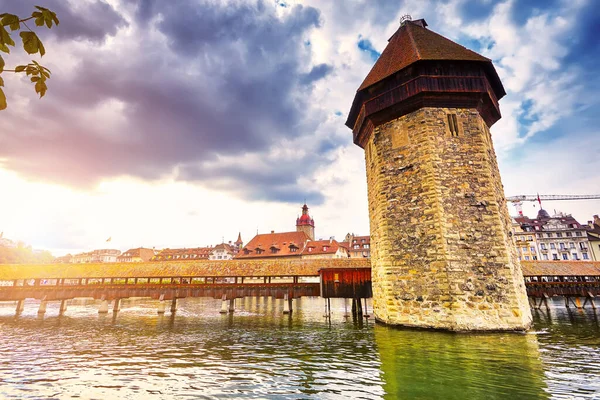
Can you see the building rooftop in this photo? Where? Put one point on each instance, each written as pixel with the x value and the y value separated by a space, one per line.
pixel 274 245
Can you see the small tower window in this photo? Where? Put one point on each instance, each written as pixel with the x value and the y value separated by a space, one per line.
pixel 453 124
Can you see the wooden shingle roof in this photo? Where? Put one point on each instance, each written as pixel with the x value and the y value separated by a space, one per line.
pixel 413 42
pixel 248 268
pixel 560 268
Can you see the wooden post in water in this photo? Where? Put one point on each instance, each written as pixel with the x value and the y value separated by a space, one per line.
pixel 103 309
pixel 223 304
pixel 161 304
pixel 20 306
pixel 63 307
pixel 232 305
pixel 117 305
pixel 589 297
pixel 287 303
pixel 346 315
pixel 174 305
pixel 43 304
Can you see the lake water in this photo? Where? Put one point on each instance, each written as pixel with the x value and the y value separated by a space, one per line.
pixel 259 352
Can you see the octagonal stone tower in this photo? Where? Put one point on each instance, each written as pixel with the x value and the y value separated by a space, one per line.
pixel 441 256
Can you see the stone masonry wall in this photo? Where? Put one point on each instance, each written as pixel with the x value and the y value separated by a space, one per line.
pixel 441 253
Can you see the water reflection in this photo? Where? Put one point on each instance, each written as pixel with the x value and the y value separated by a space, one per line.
pixel 259 352
pixel 427 365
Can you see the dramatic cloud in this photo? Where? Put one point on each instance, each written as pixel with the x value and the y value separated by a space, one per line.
pixel 196 110
pixel 182 86
pixel 79 20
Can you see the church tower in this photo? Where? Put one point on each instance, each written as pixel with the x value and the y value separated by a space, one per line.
pixel 441 254
pixel 305 223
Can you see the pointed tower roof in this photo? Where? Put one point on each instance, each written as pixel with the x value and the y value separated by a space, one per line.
pixel 239 239
pixel 413 42
pixel 420 68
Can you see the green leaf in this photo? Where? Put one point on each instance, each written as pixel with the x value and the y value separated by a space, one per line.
pixel 31 43
pixel 39 18
pixel 1 81
pixel 1 64
pixel 4 48
pixel 20 68
pixel 11 20
pixel 2 100
pixel 42 48
pixel 5 37
pixel 40 87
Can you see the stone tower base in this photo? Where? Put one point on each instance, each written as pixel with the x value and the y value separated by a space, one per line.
pixel 442 255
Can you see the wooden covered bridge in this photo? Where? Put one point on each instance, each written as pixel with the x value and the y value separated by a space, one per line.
pixel 577 282
pixel 226 280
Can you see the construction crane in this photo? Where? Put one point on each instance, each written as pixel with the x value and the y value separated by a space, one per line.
pixel 518 200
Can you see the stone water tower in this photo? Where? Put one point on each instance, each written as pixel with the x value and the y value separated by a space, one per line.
pixel 441 256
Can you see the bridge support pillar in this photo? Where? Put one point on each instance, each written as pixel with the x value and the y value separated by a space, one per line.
pixel 174 305
pixel 63 307
pixel 20 306
pixel 103 309
pixel 117 305
pixel 346 315
pixel 161 304
pixel 327 308
pixel 42 309
pixel 589 297
pixel 356 308
pixel 223 305
pixel 232 305
pixel 287 304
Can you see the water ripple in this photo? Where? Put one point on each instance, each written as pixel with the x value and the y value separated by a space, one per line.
pixel 259 353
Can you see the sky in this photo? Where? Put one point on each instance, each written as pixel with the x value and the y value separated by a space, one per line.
pixel 181 123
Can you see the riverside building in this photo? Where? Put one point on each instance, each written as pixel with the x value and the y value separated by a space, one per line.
pixel 557 237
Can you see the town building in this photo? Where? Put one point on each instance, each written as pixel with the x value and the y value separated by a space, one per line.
pixel 357 246
pixel 293 245
pixel 305 223
pixel 66 259
pixel 281 245
pixel 324 249
pixel 139 254
pixel 238 244
pixel 184 254
pixel 525 241
pixel 82 258
pixel 105 255
pixel 223 251
pixel 593 235
pixel 557 237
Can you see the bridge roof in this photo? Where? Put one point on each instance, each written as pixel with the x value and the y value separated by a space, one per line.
pixel 560 268
pixel 199 268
